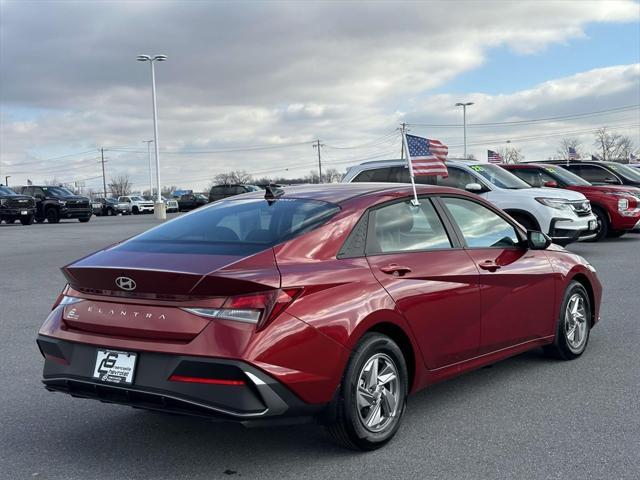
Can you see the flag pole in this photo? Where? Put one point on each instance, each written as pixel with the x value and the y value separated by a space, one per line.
pixel 415 201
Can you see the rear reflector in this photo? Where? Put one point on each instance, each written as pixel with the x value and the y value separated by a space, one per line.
pixel 209 381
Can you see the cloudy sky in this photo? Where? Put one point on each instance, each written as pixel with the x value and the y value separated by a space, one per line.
pixel 249 85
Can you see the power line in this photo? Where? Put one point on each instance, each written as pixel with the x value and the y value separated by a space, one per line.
pixel 530 121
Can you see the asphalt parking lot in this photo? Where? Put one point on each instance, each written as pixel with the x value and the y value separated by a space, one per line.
pixel 528 417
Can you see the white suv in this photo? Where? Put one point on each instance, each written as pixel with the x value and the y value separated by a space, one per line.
pixel 563 214
pixel 137 203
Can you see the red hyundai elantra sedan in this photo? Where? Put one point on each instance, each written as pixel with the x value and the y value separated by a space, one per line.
pixel 331 302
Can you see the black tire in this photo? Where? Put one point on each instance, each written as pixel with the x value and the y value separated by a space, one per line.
pixel 52 215
pixel 603 224
pixel 84 220
pixel 562 347
pixel 135 210
pixel 616 233
pixel 347 427
pixel 40 220
pixel 28 220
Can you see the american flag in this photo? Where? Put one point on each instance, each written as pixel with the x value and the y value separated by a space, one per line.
pixel 427 157
pixel 633 158
pixel 494 157
pixel 573 155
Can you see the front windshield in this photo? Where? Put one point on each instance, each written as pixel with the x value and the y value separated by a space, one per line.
pixel 234 227
pixel 6 191
pixel 137 199
pixel 567 177
pixel 499 177
pixel 58 191
pixel 629 173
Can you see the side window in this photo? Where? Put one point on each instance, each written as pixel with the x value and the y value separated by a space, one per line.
pixel 386 174
pixel 594 174
pixel 401 227
pixel 480 226
pixel 534 177
pixel 38 191
pixel 457 178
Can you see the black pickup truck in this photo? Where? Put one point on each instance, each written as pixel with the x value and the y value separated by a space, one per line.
pixel 55 203
pixel 16 207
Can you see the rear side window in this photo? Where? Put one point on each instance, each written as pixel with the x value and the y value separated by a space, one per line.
pixel 386 174
pixel 235 227
pixel 401 227
pixel 457 178
pixel 481 227
pixel 593 173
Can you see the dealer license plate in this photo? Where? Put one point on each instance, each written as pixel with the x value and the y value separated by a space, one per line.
pixel 24 212
pixel 115 367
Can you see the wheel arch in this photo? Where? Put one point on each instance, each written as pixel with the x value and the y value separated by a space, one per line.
pixel 401 338
pixel 584 281
pixel 515 212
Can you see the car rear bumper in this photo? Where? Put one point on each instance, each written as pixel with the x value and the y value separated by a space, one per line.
pixel 255 398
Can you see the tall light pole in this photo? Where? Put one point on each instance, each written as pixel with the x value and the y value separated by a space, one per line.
pixel 159 207
pixel 464 122
pixel 149 142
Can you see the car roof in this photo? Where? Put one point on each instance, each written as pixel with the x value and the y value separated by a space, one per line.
pixel 342 192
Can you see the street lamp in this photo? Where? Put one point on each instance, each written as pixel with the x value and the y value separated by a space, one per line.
pixel 6 180
pixel 159 207
pixel 464 122
pixel 149 142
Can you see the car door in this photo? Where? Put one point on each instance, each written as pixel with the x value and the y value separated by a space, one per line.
pixel 517 284
pixel 432 280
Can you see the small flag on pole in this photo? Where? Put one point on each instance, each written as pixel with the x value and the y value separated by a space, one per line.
pixel 573 155
pixel 425 157
pixel 633 158
pixel 494 157
pixel 29 182
pixel 594 158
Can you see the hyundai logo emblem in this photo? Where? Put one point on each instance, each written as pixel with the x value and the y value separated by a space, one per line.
pixel 126 283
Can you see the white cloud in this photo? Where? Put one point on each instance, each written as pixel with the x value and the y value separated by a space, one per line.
pixel 271 73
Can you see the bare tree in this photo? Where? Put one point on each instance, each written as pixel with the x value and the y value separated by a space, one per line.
pixel 332 175
pixel 120 185
pixel 236 176
pixel 510 154
pixel 612 146
pixel 569 143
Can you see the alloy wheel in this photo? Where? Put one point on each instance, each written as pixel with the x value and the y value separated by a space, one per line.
pixel 575 323
pixel 378 393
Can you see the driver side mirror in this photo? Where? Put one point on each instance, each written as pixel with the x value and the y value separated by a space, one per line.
pixel 551 184
pixel 474 188
pixel 537 240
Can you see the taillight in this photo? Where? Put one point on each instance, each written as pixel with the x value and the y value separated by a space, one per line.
pixel 258 308
pixel 64 299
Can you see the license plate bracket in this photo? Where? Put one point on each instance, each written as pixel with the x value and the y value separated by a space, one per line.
pixel 114 366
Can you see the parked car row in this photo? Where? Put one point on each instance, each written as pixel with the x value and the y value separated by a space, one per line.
pixel 564 206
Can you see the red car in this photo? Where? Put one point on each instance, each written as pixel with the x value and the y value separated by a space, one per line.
pixel 326 301
pixel 616 207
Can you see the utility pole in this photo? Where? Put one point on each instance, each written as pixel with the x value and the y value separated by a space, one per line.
pixel 402 131
pixel 318 145
pixel 6 180
pixel 104 180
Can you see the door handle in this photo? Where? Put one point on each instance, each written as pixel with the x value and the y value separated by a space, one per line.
pixel 489 265
pixel 397 270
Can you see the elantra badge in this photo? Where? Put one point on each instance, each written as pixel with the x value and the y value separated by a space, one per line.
pixel 126 283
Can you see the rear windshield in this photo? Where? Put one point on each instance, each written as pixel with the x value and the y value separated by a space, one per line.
pixel 235 227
